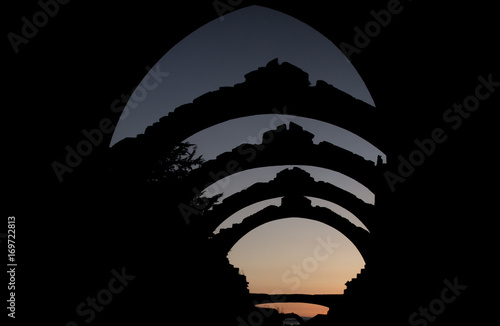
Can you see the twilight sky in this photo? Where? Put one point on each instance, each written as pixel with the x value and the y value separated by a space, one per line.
pixel 219 54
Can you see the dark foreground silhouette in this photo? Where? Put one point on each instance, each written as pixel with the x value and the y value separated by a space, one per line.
pixel 162 225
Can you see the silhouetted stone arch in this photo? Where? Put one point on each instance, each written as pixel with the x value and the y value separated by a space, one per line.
pixel 288 147
pixel 287 182
pixel 274 89
pixel 294 206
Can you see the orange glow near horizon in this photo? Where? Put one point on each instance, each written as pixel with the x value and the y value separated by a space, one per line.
pixel 289 256
pixel 293 256
pixel 301 309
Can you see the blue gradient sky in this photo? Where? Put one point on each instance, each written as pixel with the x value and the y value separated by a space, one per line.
pixel 219 54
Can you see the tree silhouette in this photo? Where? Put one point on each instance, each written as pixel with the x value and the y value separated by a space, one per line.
pixel 176 164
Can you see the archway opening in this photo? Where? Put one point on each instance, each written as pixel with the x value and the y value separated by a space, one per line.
pixel 296 255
